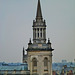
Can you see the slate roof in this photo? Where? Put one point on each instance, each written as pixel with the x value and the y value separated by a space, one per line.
pixel 13 66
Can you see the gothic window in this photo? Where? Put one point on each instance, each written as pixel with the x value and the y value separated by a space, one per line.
pixel 46 61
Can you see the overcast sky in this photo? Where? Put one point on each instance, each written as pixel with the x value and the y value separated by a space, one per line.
pixel 16 19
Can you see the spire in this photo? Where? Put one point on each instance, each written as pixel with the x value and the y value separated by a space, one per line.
pixel 39 13
pixel 23 51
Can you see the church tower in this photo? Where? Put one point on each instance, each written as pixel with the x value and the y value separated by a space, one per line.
pixel 39 53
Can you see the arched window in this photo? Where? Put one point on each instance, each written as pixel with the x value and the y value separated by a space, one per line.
pixel 34 65
pixel 35 33
pixel 34 60
pixel 41 32
pixel 38 32
pixel 45 61
pixel 45 64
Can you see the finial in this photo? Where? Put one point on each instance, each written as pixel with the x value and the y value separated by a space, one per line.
pixel 44 22
pixel 30 41
pixel 49 41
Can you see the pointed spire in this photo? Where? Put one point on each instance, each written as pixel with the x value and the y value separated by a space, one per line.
pixel 39 12
pixel 23 51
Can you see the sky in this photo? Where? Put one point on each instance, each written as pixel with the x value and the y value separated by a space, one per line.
pixel 16 20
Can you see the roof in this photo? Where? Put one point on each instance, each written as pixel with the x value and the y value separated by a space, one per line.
pixel 67 66
pixel 13 66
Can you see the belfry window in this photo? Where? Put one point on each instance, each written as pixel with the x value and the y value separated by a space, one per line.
pixel 38 32
pixel 35 33
pixel 38 35
pixel 41 32
pixel 41 35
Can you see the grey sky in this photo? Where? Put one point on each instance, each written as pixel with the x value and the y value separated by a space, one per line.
pixel 16 19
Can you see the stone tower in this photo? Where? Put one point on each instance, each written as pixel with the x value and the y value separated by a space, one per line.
pixel 39 53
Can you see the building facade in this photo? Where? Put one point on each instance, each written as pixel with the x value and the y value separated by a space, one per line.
pixel 39 52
